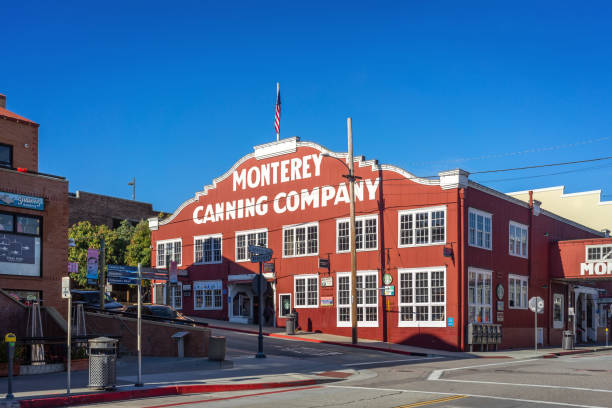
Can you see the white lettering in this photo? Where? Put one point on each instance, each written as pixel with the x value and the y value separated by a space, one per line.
pixel 296 164
pixel 293 201
pixel 253 183
pixel 372 187
pixel 240 179
pixel 601 268
pixel 265 175
pixel 327 194
pixel 342 194
pixel 198 210
pixel 240 209
pixel 317 158
pixel 277 206
pixel 250 207
pixel 274 167
pixel 310 199
pixel 284 165
pixel 586 267
pixel 219 212
pixel 359 190
pixel 209 215
pixel 262 207
pixel 230 210
pixel 305 167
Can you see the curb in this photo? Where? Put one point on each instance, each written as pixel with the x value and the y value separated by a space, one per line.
pixel 335 343
pixel 84 399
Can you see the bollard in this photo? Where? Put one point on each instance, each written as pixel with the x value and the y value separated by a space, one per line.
pixel 10 344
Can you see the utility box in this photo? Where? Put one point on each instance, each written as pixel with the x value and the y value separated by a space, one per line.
pixel 102 363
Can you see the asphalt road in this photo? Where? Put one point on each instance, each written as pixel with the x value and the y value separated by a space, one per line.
pixel 380 379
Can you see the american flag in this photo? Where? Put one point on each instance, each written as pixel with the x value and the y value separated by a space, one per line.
pixel 277 116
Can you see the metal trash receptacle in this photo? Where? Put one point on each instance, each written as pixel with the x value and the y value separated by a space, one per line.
pixel 102 363
pixel 568 340
pixel 290 323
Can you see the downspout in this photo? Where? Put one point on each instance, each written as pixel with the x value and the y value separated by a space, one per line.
pixel 461 263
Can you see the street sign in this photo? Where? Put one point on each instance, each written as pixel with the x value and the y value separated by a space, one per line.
pixel 536 303
pixel 121 269
pixel 117 280
pixel 259 250
pixel 261 258
pixel 66 287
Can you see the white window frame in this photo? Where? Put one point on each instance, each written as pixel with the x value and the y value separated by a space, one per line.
pixel 195 287
pixel 161 262
pixel 280 305
pixel 558 324
pixel 484 303
pixel 362 323
pixel 362 219
pixel 246 241
pixel 306 291
pixel 429 304
pixel 525 299
pixel 520 250
pixel 204 237
pixel 305 226
pixel 173 296
pixel 485 215
pixel 415 211
pixel 601 258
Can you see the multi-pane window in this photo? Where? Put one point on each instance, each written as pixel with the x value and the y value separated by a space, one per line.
pixel 425 226
pixel 367 299
pixel 301 240
pixel 479 228
pixel 479 296
pixel 422 297
pixel 596 253
pixel 6 155
pixel 517 292
pixel 244 239
pixel 518 239
pixel 20 244
pixel 176 293
pixel 366 234
pixel 207 295
pixel 207 249
pixel 306 291
pixel 172 248
pixel 558 311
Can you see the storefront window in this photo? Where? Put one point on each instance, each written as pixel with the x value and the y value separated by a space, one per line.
pixel 558 311
pixel 20 244
pixel 479 295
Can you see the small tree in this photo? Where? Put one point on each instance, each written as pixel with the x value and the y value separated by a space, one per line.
pixel 139 248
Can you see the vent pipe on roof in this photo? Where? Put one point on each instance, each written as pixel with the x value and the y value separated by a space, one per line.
pixel 2 101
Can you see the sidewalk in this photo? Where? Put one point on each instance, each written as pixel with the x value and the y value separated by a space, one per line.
pixel 545 352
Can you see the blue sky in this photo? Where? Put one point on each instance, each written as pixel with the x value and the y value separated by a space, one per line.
pixel 175 93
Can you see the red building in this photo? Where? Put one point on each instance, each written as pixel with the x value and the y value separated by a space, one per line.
pixel 449 251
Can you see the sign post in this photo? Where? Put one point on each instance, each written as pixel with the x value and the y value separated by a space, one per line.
pixel 67 295
pixel 10 340
pixel 536 305
pixel 139 322
pixel 260 254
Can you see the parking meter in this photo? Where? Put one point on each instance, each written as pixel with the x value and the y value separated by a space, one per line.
pixel 10 340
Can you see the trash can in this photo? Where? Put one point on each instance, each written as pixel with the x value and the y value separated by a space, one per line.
pixel 568 340
pixel 216 348
pixel 290 323
pixel 102 363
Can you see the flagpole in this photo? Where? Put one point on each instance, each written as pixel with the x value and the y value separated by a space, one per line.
pixel 277 93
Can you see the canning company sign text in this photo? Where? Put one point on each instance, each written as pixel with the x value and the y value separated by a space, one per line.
pixel 280 172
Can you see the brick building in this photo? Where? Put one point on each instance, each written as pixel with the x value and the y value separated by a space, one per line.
pixel 33 216
pixel 446 252
pixel 101 209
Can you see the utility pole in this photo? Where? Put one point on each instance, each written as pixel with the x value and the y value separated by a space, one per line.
pixel 102 264
pixel 133 184
pixel 168 289
pixel 351 177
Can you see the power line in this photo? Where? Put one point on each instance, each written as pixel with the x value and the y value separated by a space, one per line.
pixel 542 165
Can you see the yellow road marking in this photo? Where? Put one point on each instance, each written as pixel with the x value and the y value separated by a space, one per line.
pixel 430 402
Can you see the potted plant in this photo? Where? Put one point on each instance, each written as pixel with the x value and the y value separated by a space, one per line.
pixel 78 357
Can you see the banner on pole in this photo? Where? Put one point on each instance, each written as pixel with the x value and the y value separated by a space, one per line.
pixel 92 263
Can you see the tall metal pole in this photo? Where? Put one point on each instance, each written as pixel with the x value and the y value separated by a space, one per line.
pixel 168 288
pixel 69 348
pixel 102 263
pixel 260 287
pixel 349 124
pixel 133 184
pixel 139 329
pixel 535 325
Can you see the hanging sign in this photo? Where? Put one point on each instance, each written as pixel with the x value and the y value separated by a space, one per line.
pixel 327 281
pixel 92 263
pixel 327 300
pixel 73 267
pixel 173 272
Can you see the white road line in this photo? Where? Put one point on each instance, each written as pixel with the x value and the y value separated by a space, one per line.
pixel 529 385
pixel 391 361
pixel 564 404
pixel 436 374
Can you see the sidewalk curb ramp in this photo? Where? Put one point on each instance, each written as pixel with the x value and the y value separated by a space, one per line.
pixel 102 397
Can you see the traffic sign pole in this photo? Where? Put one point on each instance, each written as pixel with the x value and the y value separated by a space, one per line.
pixel 260 353
pixel 535 325
pixel 139 323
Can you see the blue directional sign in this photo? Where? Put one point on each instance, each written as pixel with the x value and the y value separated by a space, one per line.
pixel 114 280
pixel 259 253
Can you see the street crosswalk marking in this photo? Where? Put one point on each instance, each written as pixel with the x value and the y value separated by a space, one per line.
pixel 430 402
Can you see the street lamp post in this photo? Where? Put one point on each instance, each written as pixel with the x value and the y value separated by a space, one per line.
pixel 351 177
